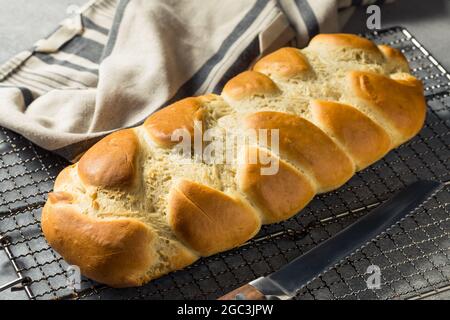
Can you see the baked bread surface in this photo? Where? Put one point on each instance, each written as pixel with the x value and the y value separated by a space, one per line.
pixel 131 210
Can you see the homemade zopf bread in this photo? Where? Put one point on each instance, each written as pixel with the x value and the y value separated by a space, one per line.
pixel 130 211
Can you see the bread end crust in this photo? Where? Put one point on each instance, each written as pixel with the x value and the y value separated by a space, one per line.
pixel 394 57
pixel 116 252
pixel 399 102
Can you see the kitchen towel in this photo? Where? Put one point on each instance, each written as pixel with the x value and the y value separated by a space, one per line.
pixel 113 63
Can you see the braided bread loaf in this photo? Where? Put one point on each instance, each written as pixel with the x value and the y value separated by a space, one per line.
pixel 128 212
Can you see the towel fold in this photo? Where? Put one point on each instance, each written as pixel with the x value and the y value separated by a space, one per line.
pixel 112 64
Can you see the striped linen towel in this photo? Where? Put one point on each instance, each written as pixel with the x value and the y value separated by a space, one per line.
pixel 115 62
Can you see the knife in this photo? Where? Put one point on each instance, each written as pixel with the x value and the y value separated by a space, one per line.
pixel 286 282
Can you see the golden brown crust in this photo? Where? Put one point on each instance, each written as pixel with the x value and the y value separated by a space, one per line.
pixel 394 56
pixel 279 196
pixel 60 197
pixel 182 257
pixel 363 139
pixel 249 84
pixel 342 40
pixel 208 220
pixel 307 145
pixel 209 97
pixel 63 177
pixel 111 161
pixel 400 103
pixel 178 116
pixel 115 252
pixel 283 63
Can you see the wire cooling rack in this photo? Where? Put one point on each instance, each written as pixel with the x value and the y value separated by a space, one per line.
pixel 413 257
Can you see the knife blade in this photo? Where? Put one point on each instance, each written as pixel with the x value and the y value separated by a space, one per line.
pixel 285 283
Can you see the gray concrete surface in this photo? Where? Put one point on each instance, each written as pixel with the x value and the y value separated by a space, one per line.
pixel 23 22
pixel 427 20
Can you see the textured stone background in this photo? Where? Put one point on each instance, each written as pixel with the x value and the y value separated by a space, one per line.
pixel 22 22
pixel 428 22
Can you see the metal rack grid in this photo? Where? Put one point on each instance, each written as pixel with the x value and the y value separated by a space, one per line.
pixel 413 256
